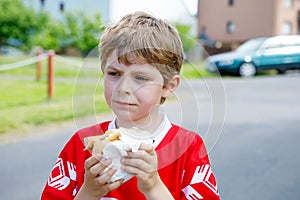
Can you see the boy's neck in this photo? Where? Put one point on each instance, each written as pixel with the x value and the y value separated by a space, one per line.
pixel 149 124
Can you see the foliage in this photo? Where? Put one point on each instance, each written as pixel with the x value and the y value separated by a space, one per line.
pixel 49 35
pixel 29 28
pixel 74 30
pixel 90 33
pixel 81 31
pixel 17 22
pixel 188 40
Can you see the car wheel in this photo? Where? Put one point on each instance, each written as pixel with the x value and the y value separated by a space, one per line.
pixel 247 70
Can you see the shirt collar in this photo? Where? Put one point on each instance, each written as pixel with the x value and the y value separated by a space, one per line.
pixel 158 134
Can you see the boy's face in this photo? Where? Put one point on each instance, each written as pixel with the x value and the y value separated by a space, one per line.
pixel 133 92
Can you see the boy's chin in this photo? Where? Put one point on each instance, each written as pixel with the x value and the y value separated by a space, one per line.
pixel 126 117
pixel 130 120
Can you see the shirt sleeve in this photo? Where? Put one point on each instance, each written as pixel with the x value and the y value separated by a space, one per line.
pixel 198 179
pixel 67 174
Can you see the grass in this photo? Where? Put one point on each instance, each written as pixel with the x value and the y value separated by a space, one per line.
pixel 24 101
pixel 190 70
pixel 61 69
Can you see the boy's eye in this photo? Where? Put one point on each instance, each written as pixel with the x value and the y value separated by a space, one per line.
pixel 113 73
pixel 141 78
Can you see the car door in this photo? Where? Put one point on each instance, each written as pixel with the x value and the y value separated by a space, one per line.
pixel 270 54
pixel 291 52
pixel 281 52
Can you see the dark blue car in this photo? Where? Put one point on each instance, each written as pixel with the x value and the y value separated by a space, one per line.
pixel 280 52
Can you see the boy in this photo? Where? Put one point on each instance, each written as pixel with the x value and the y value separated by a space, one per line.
pixel 141 58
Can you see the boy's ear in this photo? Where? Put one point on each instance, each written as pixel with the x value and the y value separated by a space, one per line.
pixel 171 86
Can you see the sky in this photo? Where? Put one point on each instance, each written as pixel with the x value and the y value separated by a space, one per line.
pixel 173 10
pixel 183 11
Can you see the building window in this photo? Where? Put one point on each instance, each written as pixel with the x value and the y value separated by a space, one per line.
pixel 42 3
pixel 230 27
pixel 286 28
pixel 62 7
pixel 231 2
pixel 288 3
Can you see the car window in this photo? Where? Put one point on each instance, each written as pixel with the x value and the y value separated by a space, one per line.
pixel 281 45
pixel 291 41
pixel 281 41
pixel 271 43
pixel 251 45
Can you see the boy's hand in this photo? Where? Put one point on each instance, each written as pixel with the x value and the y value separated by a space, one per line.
pixel 143 164
pixel 96 183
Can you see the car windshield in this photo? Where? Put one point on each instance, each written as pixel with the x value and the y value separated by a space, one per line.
pixel 251 45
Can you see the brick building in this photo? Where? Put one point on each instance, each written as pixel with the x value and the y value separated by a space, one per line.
pixel 235 21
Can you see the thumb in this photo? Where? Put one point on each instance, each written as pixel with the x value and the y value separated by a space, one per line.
pixel 147 147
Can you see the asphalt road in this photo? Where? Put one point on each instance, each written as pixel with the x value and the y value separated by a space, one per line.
pixel 250 126
pixel 257 156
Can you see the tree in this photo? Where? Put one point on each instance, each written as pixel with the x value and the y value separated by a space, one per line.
pixel 28 28
pixel 91 30
pixel 74 30
pixel 81 31
pixel 18 22
pixel 188 40
pixel 48 34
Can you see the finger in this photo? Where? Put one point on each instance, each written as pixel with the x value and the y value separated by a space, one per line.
pixel 106 176
pixel 134 166
pixel 138 163
pixel 99 167
pixel 142 155
pixel 132 170
pixel 115 185
pixel 92 161
pixel 147 147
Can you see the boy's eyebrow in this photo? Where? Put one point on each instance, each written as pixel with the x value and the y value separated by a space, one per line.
pixel 112 67
pixel 134 70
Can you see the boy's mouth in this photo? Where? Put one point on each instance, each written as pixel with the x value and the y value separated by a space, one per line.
pixel 124 103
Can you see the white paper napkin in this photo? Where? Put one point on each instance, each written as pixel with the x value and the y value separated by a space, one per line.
pixel 130 139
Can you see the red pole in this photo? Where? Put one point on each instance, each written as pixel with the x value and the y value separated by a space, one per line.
pixel 39 65
pixel 50 74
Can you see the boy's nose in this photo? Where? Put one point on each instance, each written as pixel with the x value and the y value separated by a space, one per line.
pixel 125 85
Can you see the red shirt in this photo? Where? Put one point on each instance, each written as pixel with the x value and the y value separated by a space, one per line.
pixel 183 167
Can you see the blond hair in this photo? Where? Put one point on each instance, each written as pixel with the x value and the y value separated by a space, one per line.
pixel 142 38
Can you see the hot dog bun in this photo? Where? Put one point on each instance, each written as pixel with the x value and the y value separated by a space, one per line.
pixel 98 143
